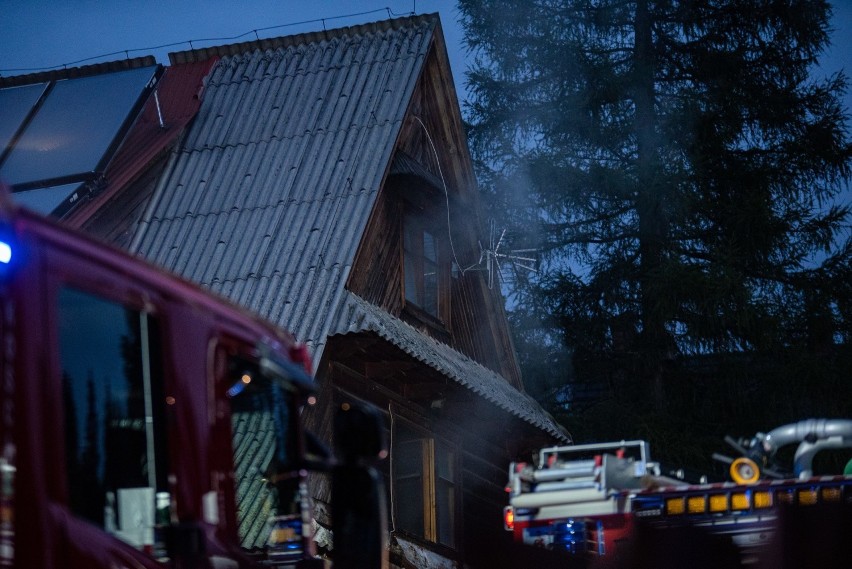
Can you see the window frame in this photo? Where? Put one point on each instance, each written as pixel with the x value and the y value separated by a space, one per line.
pixel 416 236
pixel 230 351
pixel 149 323
pixel 429 480
pixel 62 270
pixel 419 218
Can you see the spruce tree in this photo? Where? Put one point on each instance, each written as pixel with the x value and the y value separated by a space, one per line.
pixel 682 169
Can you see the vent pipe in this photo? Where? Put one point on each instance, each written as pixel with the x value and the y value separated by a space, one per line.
pixel 159 111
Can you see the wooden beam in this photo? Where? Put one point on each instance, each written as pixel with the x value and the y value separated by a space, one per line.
pixel 347 346
pixel 386 369
pixel 424 390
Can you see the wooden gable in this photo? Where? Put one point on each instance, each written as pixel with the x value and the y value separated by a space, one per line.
pixel 432 173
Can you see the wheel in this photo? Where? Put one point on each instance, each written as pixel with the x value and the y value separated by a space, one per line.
pixel 744 471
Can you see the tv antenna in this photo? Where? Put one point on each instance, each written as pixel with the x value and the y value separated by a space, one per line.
pixel 504 264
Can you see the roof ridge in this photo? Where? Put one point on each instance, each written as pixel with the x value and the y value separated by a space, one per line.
pixel 306 71
pixel 200 54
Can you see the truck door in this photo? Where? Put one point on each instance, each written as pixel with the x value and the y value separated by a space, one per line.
pixel 267 501
pixel 112 487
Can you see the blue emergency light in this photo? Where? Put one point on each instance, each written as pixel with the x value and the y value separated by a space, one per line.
pixel 5 252
pixel 10 251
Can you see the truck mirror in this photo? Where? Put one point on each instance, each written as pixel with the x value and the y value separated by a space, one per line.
pixel 358 508
pixel 282 371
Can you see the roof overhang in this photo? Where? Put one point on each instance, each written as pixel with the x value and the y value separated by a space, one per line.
pixel 358 316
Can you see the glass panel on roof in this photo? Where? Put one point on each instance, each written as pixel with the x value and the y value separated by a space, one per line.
pixel 15 104
pixel 45 200
pixel 75 126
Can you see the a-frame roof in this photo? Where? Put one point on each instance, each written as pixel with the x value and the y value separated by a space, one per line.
pixel 268 195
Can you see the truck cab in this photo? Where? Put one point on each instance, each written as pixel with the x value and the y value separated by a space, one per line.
pixel 143 422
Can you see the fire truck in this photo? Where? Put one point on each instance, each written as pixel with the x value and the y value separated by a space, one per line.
pixel 593 500
pixel 145 423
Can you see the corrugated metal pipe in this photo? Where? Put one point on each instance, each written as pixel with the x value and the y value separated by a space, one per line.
pixel 813 436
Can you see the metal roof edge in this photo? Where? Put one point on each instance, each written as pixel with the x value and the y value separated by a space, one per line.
pixel 77 72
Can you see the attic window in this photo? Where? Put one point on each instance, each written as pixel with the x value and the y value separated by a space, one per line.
pixel 421 264
pixel 419 216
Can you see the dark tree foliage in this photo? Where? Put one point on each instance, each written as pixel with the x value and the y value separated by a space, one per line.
pixel 679 168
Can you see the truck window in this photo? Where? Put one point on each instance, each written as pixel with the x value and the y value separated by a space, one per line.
pixel 112 388
pixel 266 473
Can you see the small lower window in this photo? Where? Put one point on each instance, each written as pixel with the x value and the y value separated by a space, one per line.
pixel 445 494
pixel 424 486
pixel 408 485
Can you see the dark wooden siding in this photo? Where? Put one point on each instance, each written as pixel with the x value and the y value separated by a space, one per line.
pixel 319 420
pixel 377 272
pixel 433 136
pixel 473 326
pixel 484 458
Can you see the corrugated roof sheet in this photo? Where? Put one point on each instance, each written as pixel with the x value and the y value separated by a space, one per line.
pixel 357 315
pixel 267 197
pixel 273 185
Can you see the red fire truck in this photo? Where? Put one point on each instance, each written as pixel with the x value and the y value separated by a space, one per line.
pixel 590 500
pixel 145 423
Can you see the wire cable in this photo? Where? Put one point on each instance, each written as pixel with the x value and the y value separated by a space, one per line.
pixel 447 195
pixel 127 52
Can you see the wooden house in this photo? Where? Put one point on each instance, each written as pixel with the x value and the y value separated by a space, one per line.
pixel 323 181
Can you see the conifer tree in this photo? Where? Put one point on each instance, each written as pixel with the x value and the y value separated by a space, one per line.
pixel 683 171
